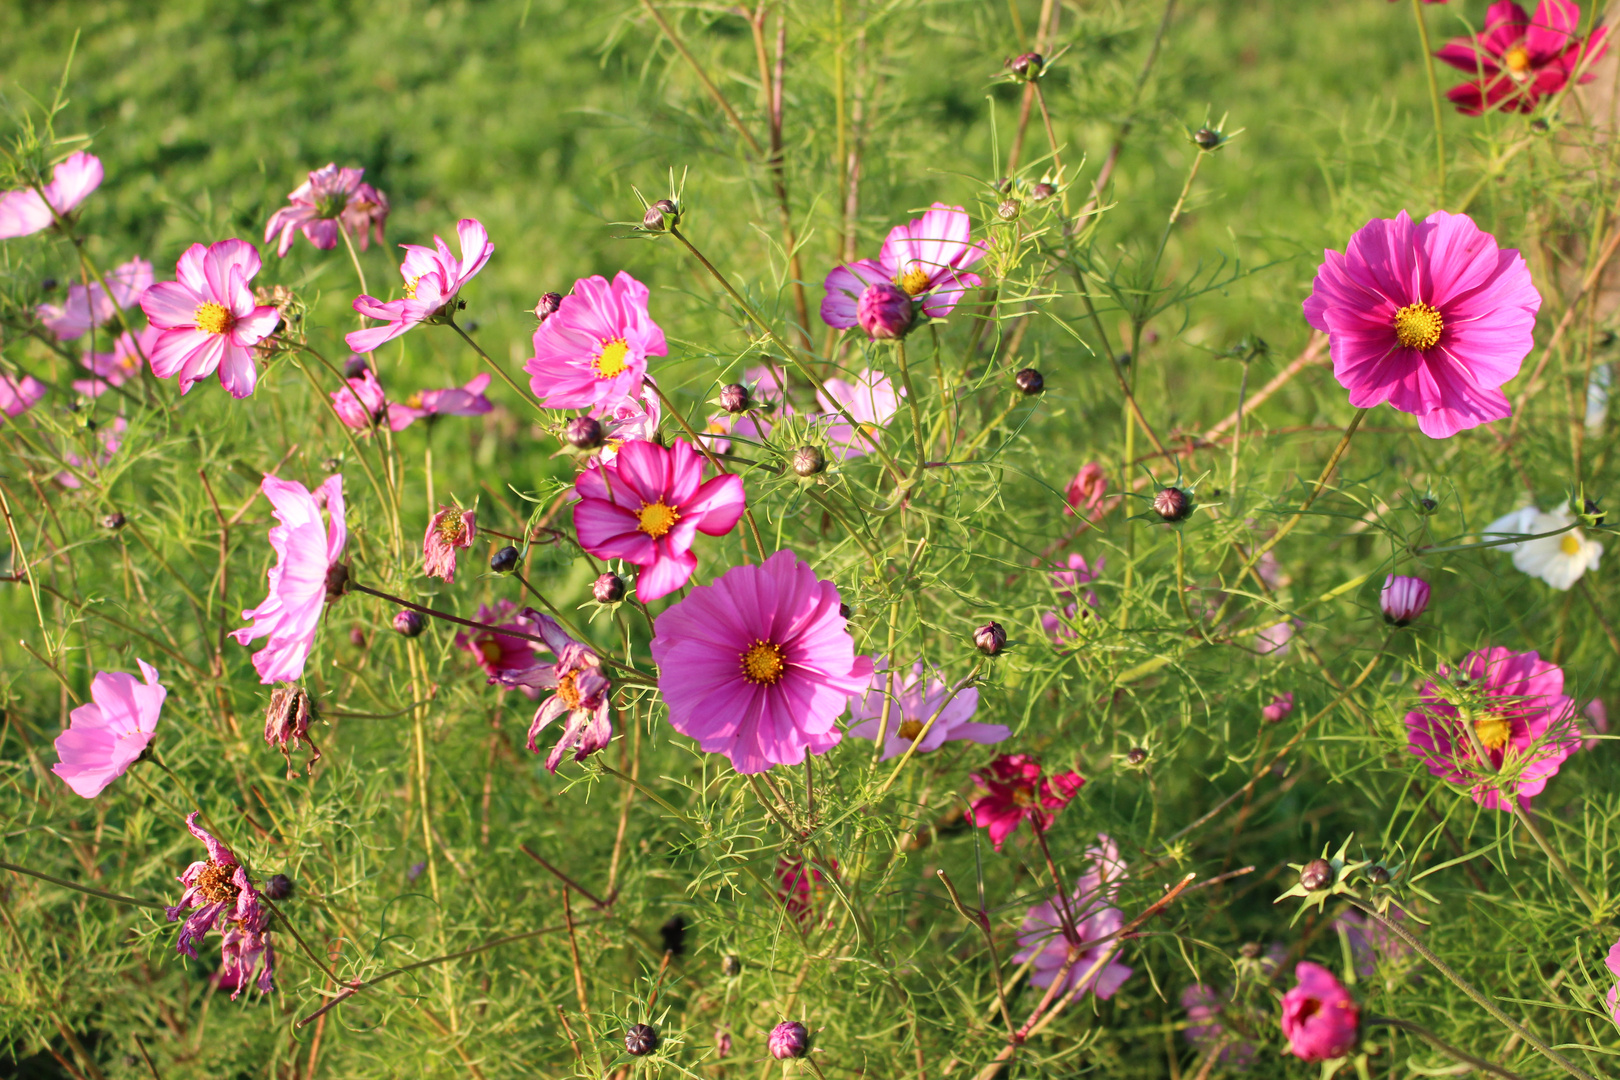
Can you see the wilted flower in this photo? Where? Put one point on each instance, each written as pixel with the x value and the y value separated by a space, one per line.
pixel 286 720
pixel 450 529
pixel 88 306
pixel 722 1043
pixel 1016 790
pixel 23 212
pixel 1044 937
pixel 109 734
pixel 306 576
pixel 1319 1017
pixel 433 278
pixel 468 400
pixel 209 319
pixel 927 259
pixel 1558 560
pixel 990 638
pixel 331 198
pixel 920 699
pixel 593 352
pixel 361 404
pixel 218 892
pixel 1518 60
pixel 582 693
pixel 871 402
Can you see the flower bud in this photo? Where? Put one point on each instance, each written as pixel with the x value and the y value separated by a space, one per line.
pixel 1280 707
pixel 808 461
pixel 641 1040
pixel 114 521
pixel 583 433
pixel 661 215
pixel 1378 874
pixel 884 311
pixel 1136 755
pixel 1172 504
pixel 1030 381
pixel 674 935
pixel 279 887
pixel 845 612
pixel 357 637
pixel 409 623
pixel 1208 138
pixel 1316 875
pixel 789 1039
pixel 734 398
pixel 548 305
pixel 505 560
pixel 1008 210
pixel 990 639
pixel 1403 599
pixel 1589 512
pixel 722 1043
pixel 337 581
pixel 608 589
pixel 1427 505
pixel 731 966
pixel 48 285
pixel 355 367
pixel 1249 950
pixel 1026 67
pixel 1042 191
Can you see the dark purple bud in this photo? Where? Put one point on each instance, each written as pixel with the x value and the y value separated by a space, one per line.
pixel 674 934
pixel 505 560
pixel 1427 505
pixel 641 1040
pixel 734 398
pixel 355 366
pixel 1026 67
pixel 661 215
pixel 114 521
pixel 884 311
pixel 1008 210
pixel 1378 874
pixel 279 887
pixel 1208 138
pixel 990 639
pixel 548 305
pixel 337 581
pixel 409 623
pixel 789 1039
pixel 808 461
pixel 731 966
pixel 1030 381
pixel 583 433
pixel 1317 875
pixel 1172 504
pixel 48 285
pixel 608 589
pixel 846 612
pixel 1042 191
pixel 1136 755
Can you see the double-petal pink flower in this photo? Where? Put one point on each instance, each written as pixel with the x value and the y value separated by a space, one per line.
pixel 91 305
pixel 23 212
pixel 329 199
pixel 307 553
pixel 433 277
pixel 927 258
pixel 1517 59
pixel 110 734
pixel 591 353
pixel 208 318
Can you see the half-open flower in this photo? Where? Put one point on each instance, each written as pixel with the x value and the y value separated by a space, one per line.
pixel 23 212
pixel 583 693
pixel 307 574
pixel 433 278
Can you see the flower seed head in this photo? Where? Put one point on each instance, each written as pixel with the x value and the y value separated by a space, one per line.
pixel 505 560
pixel 583 433
pixel 288 715
pixel 548 305
pixel 279 887
pixel 789 1039
pixel 661 215
pixel 808 461
pixel 1030 381
pixel 1317 875
pixel 990 639
pixel 1208 138
pixel 608 589
pixel 409 623
pixel 885 311
pixel 641 1040
pixel 731 966
pixel 1172 504
pixel 1008 209
pixel 114 521
pixel 1026 67
pixel 734 398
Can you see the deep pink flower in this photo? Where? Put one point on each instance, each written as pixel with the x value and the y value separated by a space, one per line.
pixel 119 366
pixel 331 198
pixel 466 400
pixel 1088 488
pixel 111 437
pixel 798 887
pixel 1044 939
pixel 1516 61
pixel 1017 790
pixel 758 665
pixel 23 212
pixel 208 318
pixel 1430 317
pixel 1319 1017
pixel 307 553
pixel 218 892
pixel 884 311
pixel 1280 707
pixel 500 655
pixel 1403 598
pixel 449 529
pixel 583 693
pixel 433 277
pixel 592 354
pixel 1520 716
pixel 926 258
pixel 647 506
pixel 361 404
pixel 870 401
pixel 87 307
pixel 918 699
pixel 108 735
pixel 17 396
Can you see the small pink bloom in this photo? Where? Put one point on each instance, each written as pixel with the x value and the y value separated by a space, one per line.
pixel 119 366
pixel 1017 790
pixel 1431 317
pixel 466 400
pixel 1280 707
pixel 307 553
pixel 759 665
pixel 1319 1017
pixel 1088 488
pixel 629 421
pixel 926 258
pixel 1206 1032
pixel 1518 60
pixel 870 401
pixel 17 396
pixel 647 507
pixel 583 693
pixel 798 887
pixel 449 529
pixel 329 199
pixel 1403 598
pixel 87 307
pixel 1044 939
pixel 110 734
pixel 23 212
pixel 919 699
pixel 218 892
pixel 500 655
pixel 1276 639
pixel 433 277
pixel 111 438
pixel 361 404
pixel 1520 715
pixel 1597 723
pixel 208 318
pixel 1059 628
pixel 592 354
pixel 884 311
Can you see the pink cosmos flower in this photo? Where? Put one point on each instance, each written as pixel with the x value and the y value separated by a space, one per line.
pixel 1319 1017
pixel 218 892
pixel 119 366
pixel 1371 943
pixel 111 438
pixel 758 665
pixel 1597 723
pixel 592 353
pixel 1403 598
pixel 331 198
pixel 500 655
pixel 1067 582
pixel 87 307
pixel 583 693
pixel 466 400
pixel 1520 716
pixel 1516 61
pixel 1612 998
pixel 1045 939
pixel 449 529
pixel 361 404
pixel 433 277
pixel 648 505
pixel 1206 1032
pixel 918 699
pixel 17 396
pixel 1017 790
pixel 208 318
pixel 799 887
pixel 110 734
pixel 23 212
pixel 1430 317
pixel 631 420
pixel 927 258
pixel 1276 639
pixel 870 401
pixel 304 579
pixel 1089 486
pixel 1280 707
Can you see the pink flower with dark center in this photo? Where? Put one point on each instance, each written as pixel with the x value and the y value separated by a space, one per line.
pixel 1518 60
pixel 592 354
pixel 870 401
pixel 433 278
pixel 466 400
pixel 306 576
pixel 927 259
pixel 17 396
pixel 361 404
pixel 1088 488
pixel 87 307
pixel 23 212
pixel 759 665
pixel 330 199
pixel 119 366
pixel 1319 1017
pixel 449 529
pixel 1017 790
pixel 209 319
pixel 583 693
pixel 1403 599
pixel 218 893
pixel 1280 707
pixel 1509 705
pixel 647 506
pixel 1431 317
pixel 1045 938
pixel 921 700
pixel 799 887
pixel 110 734
pixel 500 655
pixel 111 437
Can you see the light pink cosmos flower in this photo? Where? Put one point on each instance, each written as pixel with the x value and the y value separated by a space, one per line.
pixel 331 198
pixel 468 400
pixel 1045 939
pixel 583 693
pixel 87 307
pixel 1520 716
pixel 870 401
pixel 119 366
pixel 500 654
pixel 17 396
pixel 1280 707
pixel 218 892
pixel 110 734
pixel 433 277
pixel 208 318
pixel 111 437
pixel 1088 488
pixel 920 697
pixel 1017 789
pixel 1319 1017
pixel 1612 998
pixel 758 665
pixel 592 353
pixel 1058 628
pixel 1518 60
pixel 23 212
pixel 449 529
pixel 301 582
pixel 631 420
pixel 1431 317
pixel 361 404
pixel 1371 943
pixel 927 258
pixel 648 505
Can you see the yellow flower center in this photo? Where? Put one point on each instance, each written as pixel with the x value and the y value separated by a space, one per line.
pixel 568 690
pixel 453 528
pixel 414 401
pixel 215 883
pixel 763 662
pixel 611 360
pixel 410 287
pixel 1023 795
pixel 1570 545
pixel 914 281
pixel 716 427
pixel 490 650
pixel 1517 60
pixel 657 519
pixel 1493 731
pixel 910 729
pixel 212 318
pixel 1418 326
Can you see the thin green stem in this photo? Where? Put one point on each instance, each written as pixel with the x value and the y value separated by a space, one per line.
pixel 1434 101
pixel 116 898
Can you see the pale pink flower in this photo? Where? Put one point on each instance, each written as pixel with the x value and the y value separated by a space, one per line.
pixel 449 529
pixel 1612 998
pixel 209 319
pixel 17 396
pixel 361 404
pixel 111 437
pixel 927 258
pixel 111 733
pixel 87 307
pixel 433 277
pixel 468 400
pixel 870 401
pixel 592 353
pixel 219 893
pixel 331 198
pixel 122 364
pixel 1280 707
pixel 1597 723
pixel 23 212
pixel 1067 582
pixel 918 699
pixel 583 693
pixel 1045 939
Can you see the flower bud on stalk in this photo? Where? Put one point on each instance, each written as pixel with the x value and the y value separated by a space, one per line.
pixel 1008 210
pixel 1316 875
pixel 885 312
pixel 808 461
pixel 548 305
pixel 279 887
pixel 1026 67
pixel 641 1040
pixel 990 639
pixel 1403 599
pixel 1029 381
pixel 1172 504
pixel 661 216
pixel 1136 755
pixel 409 623
pixel 1208 138
pixel 1041 192
pixel 505 560
pixel 789 1039
pixel 114 521
pixel 583 433
pixel 608 589
pixel 734 398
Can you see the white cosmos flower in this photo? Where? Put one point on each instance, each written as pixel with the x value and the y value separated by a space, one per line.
pixel 1597 398
pixel 1558 560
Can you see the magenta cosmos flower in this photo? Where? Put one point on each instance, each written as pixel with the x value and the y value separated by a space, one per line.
pixel 500 654
pixel 1279 708
pixel 92 306
pixel 592 353
pixel 926 258
pixel 583 693
pixel 1431 317
pixel 468 400
pixel 361 404
pixel 218 892
pixel 24 212
pixel 18 395
pixel 1403 599
pixel 1518 60
pixel 798 887
pixel 208 318
pixel 922 696
pixel 1087 489
pixel 448 530
pixel 1017 790
pixel 1612 998
pixel 1044 938
pixel 647 506
pixel 307 553
pixel 870 400
pixel 330 199
pixel 1319 1017
pixel 1520 716
pixel 433 277
pixel 110 734
pixel 758 665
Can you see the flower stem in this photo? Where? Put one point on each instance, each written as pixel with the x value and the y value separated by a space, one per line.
pixel 1439 1044
pixel 522 392
pixel 1553 857
pixel 114 897
pixel 1434 100
pixel 354 258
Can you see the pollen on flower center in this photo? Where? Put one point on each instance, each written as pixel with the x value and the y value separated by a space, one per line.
pixel 657 519
pixel 410 287
pixel 1023 795
pixel 611 360
pixel 762 664
pixel 453 528
pixel 490 649
pixel 568 690
pixel 1517 60
pixel 212 318
pixel 414 401
pixel 1418 326
pixel 215 883
pixel 1493 731
pixel 1570 544
pixel 914 281
pixel 910 729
